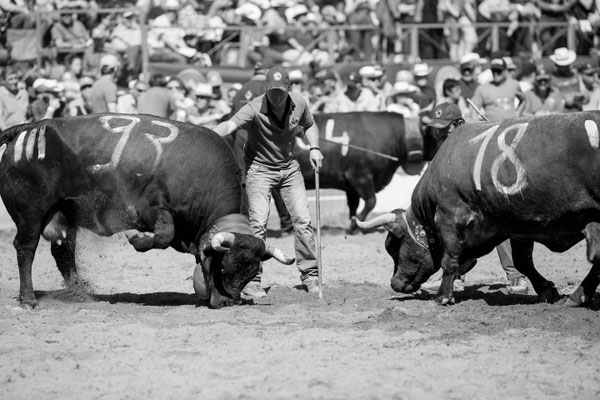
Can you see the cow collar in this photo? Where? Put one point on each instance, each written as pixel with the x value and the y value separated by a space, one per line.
pixel 234 223
pixel 415 229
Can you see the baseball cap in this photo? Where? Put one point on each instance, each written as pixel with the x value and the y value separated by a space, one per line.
pixel 444 114
pixel 498 64
pixel 278 78
pixel 109 60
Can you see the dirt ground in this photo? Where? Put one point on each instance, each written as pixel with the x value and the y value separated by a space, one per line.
pixel 143 336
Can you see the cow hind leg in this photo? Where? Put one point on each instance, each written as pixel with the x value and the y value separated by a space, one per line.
pixel 584 293
pixel 353 200
pixel 522 252
pixel 26 242
pixel 63 251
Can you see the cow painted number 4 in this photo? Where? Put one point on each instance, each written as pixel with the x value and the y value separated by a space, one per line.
pixel 344 140
pixel 507 153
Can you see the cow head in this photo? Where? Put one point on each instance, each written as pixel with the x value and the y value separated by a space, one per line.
pixel 230 261
pixel 413 264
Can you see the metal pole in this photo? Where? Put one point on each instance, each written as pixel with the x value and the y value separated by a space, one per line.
pixel 477 110
pixel 361 149
pixel 319 262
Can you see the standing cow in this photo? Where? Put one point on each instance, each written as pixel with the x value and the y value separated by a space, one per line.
pixel 530 180
pixel 361 174
pixel 175 184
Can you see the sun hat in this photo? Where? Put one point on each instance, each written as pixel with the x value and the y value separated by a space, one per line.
pixel 563 56
pixel 109 60
pixel 421 70
pixel 203 90
pixel 370 71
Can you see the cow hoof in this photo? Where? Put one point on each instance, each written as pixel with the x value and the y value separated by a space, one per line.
pixel 577 299
pixel 549 295
pixel 141 241
pixel 29 305
pixel 445 301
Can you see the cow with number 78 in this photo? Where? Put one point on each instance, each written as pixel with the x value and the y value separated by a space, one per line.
pixel 527 180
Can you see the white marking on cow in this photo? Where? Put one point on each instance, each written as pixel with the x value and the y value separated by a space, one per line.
pixel 158 141
pixel 592 131
pixel 2 150
pixel 344 140
pixel 485 137
pixel 42 143
pixel 508 152
pixel 118 151
pixel 31 144
pixel 19 146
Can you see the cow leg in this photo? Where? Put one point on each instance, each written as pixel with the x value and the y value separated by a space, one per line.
pixel 353 199
pixel 159 221
pixel 63 252
pixel 522 252
pixel 364 189
pixel 26 242
pixel 445 295
pixel 584 293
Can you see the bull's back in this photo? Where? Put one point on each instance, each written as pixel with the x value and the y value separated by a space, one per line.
pixel 91 158
pixel 523 168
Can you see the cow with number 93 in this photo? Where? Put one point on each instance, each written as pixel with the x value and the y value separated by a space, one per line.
pixel 527 180
pixel 167 184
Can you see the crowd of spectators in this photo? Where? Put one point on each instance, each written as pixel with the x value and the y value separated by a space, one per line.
pixel 98 66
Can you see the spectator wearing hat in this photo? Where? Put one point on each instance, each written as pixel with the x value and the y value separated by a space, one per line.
pixel 333 98
pixel 297 83
pixel 85 87
pixel 542 99
pixel 401 100
pixel 158 100
pixel 497 100
pixel 14 99
pixel 421 72
pixel 47 103
pixel 273 121
pixel 353 87
pixel 566 79
pixel 68 33
pixel 204 113
pixel 470 68
pixel 104 90
pixel 589 79
pixel 372 97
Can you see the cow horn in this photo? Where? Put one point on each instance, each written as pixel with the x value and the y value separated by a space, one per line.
pixel 377 221
pixel 222 241
pixel 279 256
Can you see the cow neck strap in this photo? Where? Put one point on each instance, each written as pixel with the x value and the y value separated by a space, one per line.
pixel 234 223
pixel 415 229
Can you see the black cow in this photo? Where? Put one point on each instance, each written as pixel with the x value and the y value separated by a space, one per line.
pixel 362 174
pixel 175 184
pixel 529 180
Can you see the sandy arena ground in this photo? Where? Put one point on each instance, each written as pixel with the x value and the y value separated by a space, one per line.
pixel 143 336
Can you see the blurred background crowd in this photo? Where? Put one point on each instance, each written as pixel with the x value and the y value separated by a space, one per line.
pixel 90 61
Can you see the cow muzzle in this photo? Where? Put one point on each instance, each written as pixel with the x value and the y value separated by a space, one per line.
pixel 400 285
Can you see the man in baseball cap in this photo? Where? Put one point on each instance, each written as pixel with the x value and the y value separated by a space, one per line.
pixel 446 114
pixel 273 122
